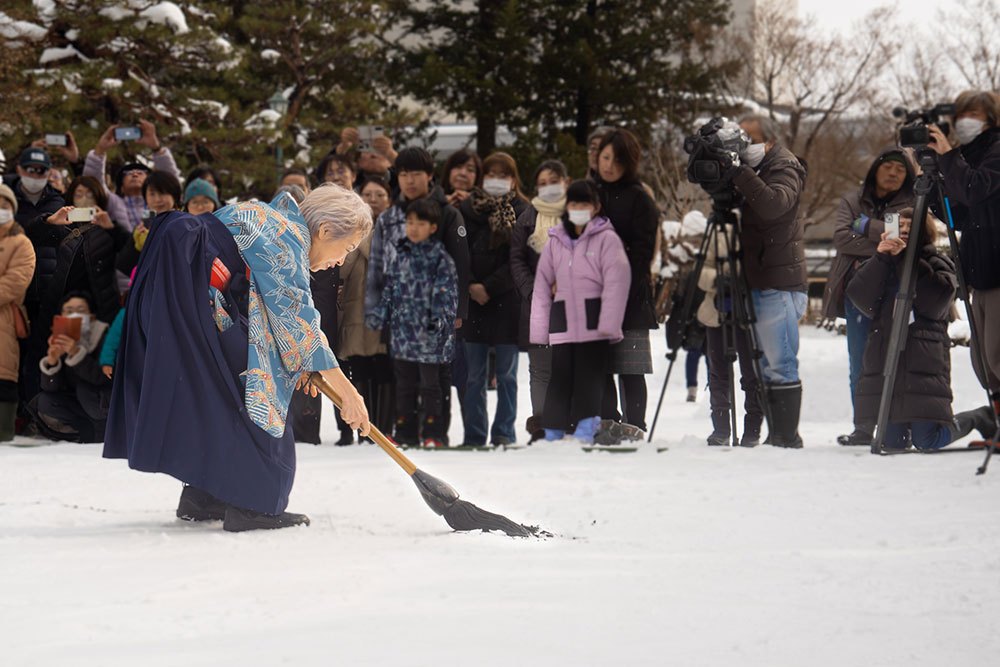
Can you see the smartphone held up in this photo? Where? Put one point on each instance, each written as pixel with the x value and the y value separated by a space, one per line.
pixel 891 226
pixel 130 133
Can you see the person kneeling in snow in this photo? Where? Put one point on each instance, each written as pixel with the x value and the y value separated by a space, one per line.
pixel 578 304
pixel 73 403
pixel 419 304
pixel 921 404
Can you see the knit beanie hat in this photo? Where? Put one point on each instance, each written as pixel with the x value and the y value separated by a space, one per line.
pixel 893 157
pixel 200 187
pixel 8 194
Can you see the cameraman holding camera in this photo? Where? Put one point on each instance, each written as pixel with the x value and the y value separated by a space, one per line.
pixel 971 174
pixel 771 180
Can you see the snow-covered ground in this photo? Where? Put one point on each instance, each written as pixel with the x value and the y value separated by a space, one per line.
pixel 695 556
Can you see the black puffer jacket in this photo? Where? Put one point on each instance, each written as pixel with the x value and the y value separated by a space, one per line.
pixel 634 216
pixel 78 256
pixel 972 183
pixel 923 380
pixel 523 264
pixel 496 323
pixel 50 201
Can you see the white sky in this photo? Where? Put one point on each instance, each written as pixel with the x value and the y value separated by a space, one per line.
pixel 839 14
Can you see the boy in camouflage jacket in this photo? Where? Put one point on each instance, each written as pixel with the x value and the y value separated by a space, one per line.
pixel 418 306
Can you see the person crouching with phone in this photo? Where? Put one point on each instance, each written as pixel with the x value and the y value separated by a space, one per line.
pixel 73 403
pixel 920 413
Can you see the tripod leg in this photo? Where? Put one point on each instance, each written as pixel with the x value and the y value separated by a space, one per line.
pixel 672 355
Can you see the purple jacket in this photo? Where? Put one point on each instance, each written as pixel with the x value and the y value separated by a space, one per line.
pixel 127 211
pixel 592 277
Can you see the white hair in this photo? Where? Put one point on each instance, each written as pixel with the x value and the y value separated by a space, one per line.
pixel 341 210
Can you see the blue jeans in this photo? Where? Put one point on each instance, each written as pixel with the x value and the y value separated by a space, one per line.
pixel 477 357
pixel 778 314
pixel 858 326
pixel 925 435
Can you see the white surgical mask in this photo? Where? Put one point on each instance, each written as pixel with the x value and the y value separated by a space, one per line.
pixel 551 193
pixel 33 185
pixel 967 129
pixel 496 187
pixel 6 217
pixel 578 217
pixel 85 324
pixel 754 153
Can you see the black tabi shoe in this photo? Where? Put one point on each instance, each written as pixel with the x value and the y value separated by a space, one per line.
pixel 239 519
pixel 198 505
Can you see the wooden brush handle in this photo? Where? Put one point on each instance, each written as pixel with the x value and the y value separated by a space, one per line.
pixel 406 464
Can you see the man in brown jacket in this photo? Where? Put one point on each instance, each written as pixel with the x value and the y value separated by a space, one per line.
pixel 771 180
pixel 857 231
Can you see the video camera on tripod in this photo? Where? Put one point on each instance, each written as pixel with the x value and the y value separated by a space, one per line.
pixel 719 141
pixel 913 131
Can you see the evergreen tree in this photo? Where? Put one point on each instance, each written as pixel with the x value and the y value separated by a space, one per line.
pixel 564 64
pixel 202 73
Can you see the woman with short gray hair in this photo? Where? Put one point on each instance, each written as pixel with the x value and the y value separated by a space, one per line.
pixel 220 330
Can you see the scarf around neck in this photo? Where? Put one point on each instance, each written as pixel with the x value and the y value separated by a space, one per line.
pixel 549 216
pixel 499 212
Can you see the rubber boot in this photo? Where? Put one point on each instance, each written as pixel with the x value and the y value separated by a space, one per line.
pixel 586 429
pixel 721 435
pixel 553 434
pixel 8 413
pixel 980 419
pixel 751 430
pixel 786 402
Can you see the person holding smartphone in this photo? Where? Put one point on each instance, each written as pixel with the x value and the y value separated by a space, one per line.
pixel 73 403
pixel 920 414
pixel 126 204
pixel 857 232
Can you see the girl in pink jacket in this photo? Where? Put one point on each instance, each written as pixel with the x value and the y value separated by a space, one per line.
pixel 577 307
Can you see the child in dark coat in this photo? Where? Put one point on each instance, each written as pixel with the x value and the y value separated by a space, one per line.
pixel 581 287
pixel 419 304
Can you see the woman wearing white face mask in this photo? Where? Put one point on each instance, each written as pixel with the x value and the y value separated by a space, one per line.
pixel 972 184
pixel 528 239
pixel 17 264
pixel 490 214
pixel 73 403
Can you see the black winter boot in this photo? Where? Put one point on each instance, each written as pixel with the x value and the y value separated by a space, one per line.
pixel 8 413
pixel 407 430
pixel 751 430
pixel 859 438
pixel 721 435
pixel 786 402
pixel 980 419
pixel 198 505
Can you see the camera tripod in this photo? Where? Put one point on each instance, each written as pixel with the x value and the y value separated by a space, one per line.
pixel 733 303
pixel 928 183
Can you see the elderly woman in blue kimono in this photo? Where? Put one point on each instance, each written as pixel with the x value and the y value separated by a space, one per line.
pixel 220 330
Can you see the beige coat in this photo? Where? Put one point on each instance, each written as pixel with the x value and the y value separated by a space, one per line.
pixel 17 265
pixel 356 340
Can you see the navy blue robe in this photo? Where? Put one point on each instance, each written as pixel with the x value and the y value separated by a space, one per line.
pixel 177 403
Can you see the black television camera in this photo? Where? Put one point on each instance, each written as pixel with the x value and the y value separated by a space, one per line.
pixel 719 141
pixel 913 132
